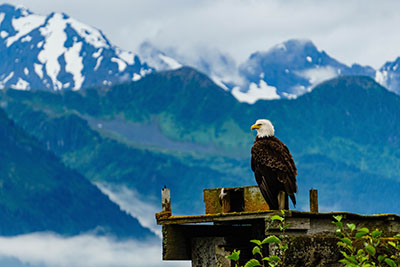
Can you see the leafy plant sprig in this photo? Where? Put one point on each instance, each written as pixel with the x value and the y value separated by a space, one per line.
pixel 362 247
pixel 273 260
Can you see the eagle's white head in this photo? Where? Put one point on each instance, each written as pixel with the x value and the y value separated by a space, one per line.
pixel 264 128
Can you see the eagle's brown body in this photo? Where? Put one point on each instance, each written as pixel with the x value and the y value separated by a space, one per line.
pixel 274 170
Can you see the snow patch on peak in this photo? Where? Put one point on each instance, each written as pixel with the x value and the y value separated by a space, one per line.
pixel 24 11
pixel 381 77
pixel 289 96
pixel 9 76
pixel 136 77
pixel 127 56
pixel 98 62
pixel 27 38
pixel 256 92
pixel 121 64
pixel 39 70
pixel 3 34
pixel 2 15
pixel 24 25
pixel 97 53
pixel 53 47
pixel 143 72
pixel 74 64
pixel 21 85
pixel 91 35
pixel 172 63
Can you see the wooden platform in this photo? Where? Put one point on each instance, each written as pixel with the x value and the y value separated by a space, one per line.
pixel 206 239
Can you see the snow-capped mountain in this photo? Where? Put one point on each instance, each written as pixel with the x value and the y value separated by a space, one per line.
pixel 288 70
pixel 389 75
pixel 219 67
pixel 56 52
pixel 156 58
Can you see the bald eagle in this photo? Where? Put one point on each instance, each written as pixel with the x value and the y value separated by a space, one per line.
pixel 273 167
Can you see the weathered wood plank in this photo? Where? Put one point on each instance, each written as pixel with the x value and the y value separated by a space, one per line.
pixel 314 200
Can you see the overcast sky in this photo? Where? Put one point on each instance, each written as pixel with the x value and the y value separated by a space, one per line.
pixel 365 31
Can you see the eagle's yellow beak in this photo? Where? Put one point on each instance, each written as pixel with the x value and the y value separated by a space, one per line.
pixel 255 126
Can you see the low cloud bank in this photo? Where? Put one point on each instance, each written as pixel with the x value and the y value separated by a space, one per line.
pixel 131 202
pixel 48 249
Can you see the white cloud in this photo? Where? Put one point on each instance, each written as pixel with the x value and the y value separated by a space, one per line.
pixel 345 29
pixel 318 75
pixel 172 63
pixel 256 92
pixel 47 249
pixel 131 201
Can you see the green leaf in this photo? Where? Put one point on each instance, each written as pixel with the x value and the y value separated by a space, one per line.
pixel 376 233
pixel 271 239
pixel 371 250
pixel 257 242
pixel 283 228
pixel 284 247
pixel 364 229
pixel 337 218
pixel 362 232
pixel 349 258
pixel 351 226
pixel 256 250
pixel 339 234
pixel 252 263
pixel 348 263
pixel 234 256
pixel 347 241
pixel 277 218
pixel 360 252
pixel 390 262
pixel 272 258
pixel 381 258
pixel 339 225
pixel 362 259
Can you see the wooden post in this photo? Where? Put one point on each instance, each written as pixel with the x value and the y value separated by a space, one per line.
pixel 165 204
pixel 313 200
pixel 166 199
pixel 225 200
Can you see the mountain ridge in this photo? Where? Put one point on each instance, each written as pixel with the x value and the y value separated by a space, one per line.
pixel 319 134
pixel 64 54
pixel 38 193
